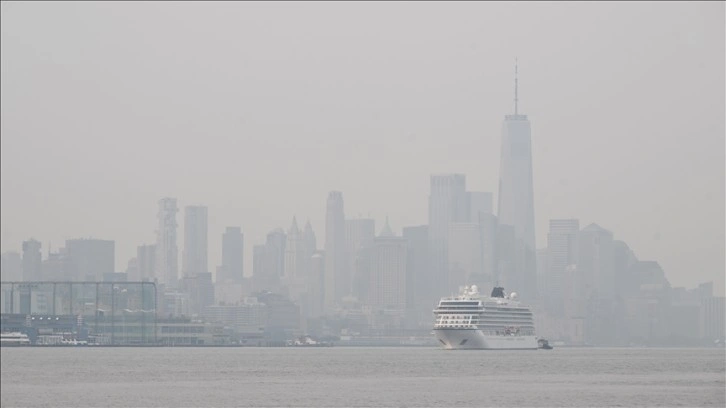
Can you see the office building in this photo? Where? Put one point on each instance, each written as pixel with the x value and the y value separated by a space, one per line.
pixel 337 277
pixel 232 269
pixel 516 201
pixel 167 252
pixel 90 259
pixel 448 203
pixel 195 241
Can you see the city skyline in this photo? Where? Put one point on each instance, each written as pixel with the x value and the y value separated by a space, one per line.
pixel 594 158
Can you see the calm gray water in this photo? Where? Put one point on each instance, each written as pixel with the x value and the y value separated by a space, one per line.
pixel 360 377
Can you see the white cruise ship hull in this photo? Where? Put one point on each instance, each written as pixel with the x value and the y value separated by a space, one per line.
pixel 473 339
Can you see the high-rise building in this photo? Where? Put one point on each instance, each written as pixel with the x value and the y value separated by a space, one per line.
pixel 311 243
pixel 195 241
pixel 32 261
pixel 465 251
pixel 358 233
pixel 146 262
pixel 57 266
pixel 337 281
pixel 90 259
pixel 712 318
pixel 448 203
pixel 132 270
pixel 315 291
pixel 516 201
pixel 295 261
pixel 232 256
pixel 275 253
pixel 422 296
pixel 562 251
pixel 199 290
pixel 268 261
pixel 385 261
pixel 11 269
pixel 595 261
pixel 479 202
pixel 488 225
pixel 595 264
pixel 258 261
pixel 167 252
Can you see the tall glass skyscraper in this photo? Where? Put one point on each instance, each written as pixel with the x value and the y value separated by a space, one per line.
pixel 517 260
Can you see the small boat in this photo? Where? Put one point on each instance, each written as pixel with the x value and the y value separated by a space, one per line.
pixel 543 344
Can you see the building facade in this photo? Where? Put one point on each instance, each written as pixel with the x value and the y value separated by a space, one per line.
pixel 516 201
pixel 448 203
pixel 90 259
pixel 337 277
pixel 232 267
pixel 167 252
pixel 195 259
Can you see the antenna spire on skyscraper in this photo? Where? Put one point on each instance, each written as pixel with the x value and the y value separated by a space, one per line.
pixel 516 100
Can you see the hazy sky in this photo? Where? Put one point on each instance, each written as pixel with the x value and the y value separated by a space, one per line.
pixel 257 110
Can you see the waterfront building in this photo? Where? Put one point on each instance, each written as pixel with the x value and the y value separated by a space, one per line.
pixel 246 318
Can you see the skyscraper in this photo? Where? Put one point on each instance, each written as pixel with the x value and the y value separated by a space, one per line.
pixel 11 268
pixel 32 260
pixel 258 261
pixel 167 253
pixel 90 259
pixel 465 255
pixel 295 261
pixel 195 241
pixel 516 200
pixel 358 233
pixel 562 243
pixel 274 266
pixel 311 242
pixel 596 261
pixel 385 261
pixel 232 255
pixel 421 295
pixel 146 262
pixel 480 202
pixel 448 203
pixel 336 281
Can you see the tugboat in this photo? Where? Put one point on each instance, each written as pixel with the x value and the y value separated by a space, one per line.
pixel 543 344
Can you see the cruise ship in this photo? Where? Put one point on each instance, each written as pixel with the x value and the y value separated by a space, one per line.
pixel 473 321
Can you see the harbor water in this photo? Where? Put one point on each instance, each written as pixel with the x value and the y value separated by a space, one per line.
pixel 360 377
